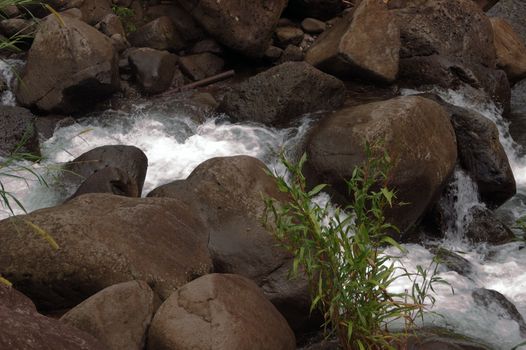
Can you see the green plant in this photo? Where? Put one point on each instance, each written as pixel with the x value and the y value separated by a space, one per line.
pixel 126 16
pixel 342 254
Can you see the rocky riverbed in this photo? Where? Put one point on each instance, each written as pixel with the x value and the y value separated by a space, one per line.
pixel 155 124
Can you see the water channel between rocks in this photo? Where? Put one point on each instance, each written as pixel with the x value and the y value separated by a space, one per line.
pixel 176 142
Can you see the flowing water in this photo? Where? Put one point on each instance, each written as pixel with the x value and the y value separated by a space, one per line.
pixel 175 143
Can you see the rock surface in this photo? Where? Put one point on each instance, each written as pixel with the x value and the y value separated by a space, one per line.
pixel 240 25
pixel 417 134
pixel 511 50
pixel 23 328
pixel 103 240
pixel 201 66
pixel 154 70
pixel 17 131
pixel 321 9
pixel 513 11
pixel 485 227
pixel 118 316
pixel 109 180
pixel 159 34
pixel 283 93
pixel 225 311
pixel 69 67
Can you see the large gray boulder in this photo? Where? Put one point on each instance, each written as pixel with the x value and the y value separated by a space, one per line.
pixel 103 240
pixel 118 316
pixel 364 43
pixel 245 26
pixel 70 66
pixel 220 312
pixel 23 328
pixel 282 93
pixel 416 133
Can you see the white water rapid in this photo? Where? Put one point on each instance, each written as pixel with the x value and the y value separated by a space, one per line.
pixel 176 143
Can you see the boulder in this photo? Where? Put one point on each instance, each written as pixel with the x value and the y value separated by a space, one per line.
pixel 416 133
pixel 510 48
pixel 23 328
pixel 291 53
pixel 485 227
pixel 94 11
pixel 518 113
pixel 513 11
pixel 183 22
pixel 17 26
pixel 159 34
pixel 221 312
pixel 47 125
pixel 118 316
pixel 443 339
pixel 321 9
pixel 201 66
pixel 153 70
pixel 109 180
pixel 283 93
pixel 111 24
pixel 69 67
pixel 481 154
pixel 207 45
pixel 313 26
pixel 500 305
pixel 103 240
pixel 228 193
pixel 485 5
pixel 17 131
pixel 288 35
pixel 364 43
pixel 240 25
pixel 452 261
pixel 129 159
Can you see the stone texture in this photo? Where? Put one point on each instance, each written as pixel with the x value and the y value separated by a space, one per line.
pixel 416 133
pixel 283 93
pixel 486 228
pixel 111 24
pixel 313 26
pixel 69 67
pixel 513 11
pixel 17 131
pixel 23 328
pixel 240 25
pixel 364 43
pixel 159 34
pixel 510 48
pixel 153 70
pixel 288 36
pixel 221 312
pixel 109 180
pixel 321 9
pixel 103 240
pixel 118 316
pixel 200 66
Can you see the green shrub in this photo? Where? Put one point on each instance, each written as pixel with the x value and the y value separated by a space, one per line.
pixel 342 253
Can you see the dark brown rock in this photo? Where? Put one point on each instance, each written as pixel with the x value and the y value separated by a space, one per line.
pixel 17 26
pixel 452 261
pixel 513 11
pixel 485 227
pixel 442 339
pixel 240 25
pixel 159 34
pixel 131 160
pixel 181 19
pixel 207 45
pixel 109 180
pixel 111 24
pixel 313 26
pixel 365 43
pixel 510 49
pixel 227 311
pixel 321 9
pixel 153 70
pixel 23 328
pixel 17 131
pixel 47 125
pixel 69 67
pixel 288 36
pixel 485 5
pixel 291 53
pixel 118 316
pixel 283 93
pixel 103 240
pixel 416 133
pixel 200 66
pixel 93 11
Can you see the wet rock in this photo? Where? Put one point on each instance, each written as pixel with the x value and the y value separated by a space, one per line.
pixel 241 316
pixel 131 160
pixel 283 93
pixel 159 34
pixel 103 240
pixel 511 51
pixel 321 9
pixel 118 316
pixel 69 67
pixel 443 339
pixel 485 227
pixel 291 54
pixel 109 180
pixel 518 113
pixel 94 11
pixel 513 11
pixel 47 125
pixel 363 43
pixel 243 26
pixel 273 53
pixel 481 154
pixel 17 131
pixel 154 70
pixel 183 22
pixel 207 45
pixel 485 5
pixel 288 36
pixel 313 26
pixel 201 66
pixel 13 26
pixel 417 134
pixel 111 24
pixel 500 305
pixel 23 328
pixel 452 261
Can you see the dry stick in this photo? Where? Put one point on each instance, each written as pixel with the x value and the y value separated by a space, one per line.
pixel 202 82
